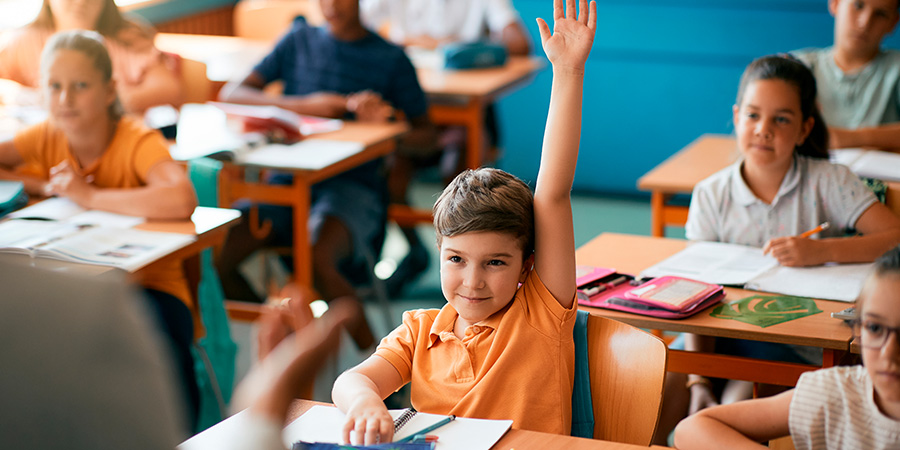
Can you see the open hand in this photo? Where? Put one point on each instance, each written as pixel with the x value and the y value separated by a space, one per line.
pixel 65 182
pixel 572 37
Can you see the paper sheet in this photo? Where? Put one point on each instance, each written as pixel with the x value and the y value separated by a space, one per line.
pixel 64 210
pixel 714 262
pixel 309 154
pixel 832 282
pixel 869 163
pixel 324 424
pixel 738 265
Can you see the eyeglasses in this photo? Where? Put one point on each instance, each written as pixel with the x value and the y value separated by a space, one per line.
pixel 873 334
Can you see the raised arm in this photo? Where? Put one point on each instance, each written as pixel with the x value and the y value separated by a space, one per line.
pixel 567 48
pixel 250 91
pixel 740 425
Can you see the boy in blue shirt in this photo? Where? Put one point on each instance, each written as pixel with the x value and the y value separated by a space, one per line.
pixel 341 70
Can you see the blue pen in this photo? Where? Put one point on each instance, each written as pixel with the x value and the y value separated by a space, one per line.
pixel 426 430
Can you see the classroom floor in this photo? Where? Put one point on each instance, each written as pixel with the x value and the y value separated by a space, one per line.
pixel 592 215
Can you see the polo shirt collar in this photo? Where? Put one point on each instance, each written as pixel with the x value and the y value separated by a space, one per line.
pixel 745 197
pixel 442 327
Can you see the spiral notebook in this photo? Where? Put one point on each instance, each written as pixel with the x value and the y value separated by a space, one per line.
pixel 324 424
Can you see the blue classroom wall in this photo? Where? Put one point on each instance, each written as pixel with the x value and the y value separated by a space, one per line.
pixel 661 73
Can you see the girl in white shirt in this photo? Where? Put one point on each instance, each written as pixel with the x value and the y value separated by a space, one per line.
pixel 836 408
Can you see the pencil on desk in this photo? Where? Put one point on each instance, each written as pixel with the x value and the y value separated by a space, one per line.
pixel 427 430
pixel 824 226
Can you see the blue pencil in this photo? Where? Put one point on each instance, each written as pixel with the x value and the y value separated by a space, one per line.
pixel 428 429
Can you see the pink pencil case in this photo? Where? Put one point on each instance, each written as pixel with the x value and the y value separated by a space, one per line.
pixel 664 297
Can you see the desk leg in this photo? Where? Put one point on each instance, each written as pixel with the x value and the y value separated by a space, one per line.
pixel 303 273
pixel 657 219
pixel 829 358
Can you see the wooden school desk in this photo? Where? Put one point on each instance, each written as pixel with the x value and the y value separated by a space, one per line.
pixel 680 172
pixel 456 97
pixel 513 439
pixel 632 254
pixel 209 225
pixel 378 139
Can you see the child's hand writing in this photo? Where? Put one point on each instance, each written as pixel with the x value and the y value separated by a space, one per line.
pixel 572 37
pixel 65 182
pixel 795 251
pixel 368 422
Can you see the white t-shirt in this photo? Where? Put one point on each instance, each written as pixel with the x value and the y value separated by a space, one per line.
pixel 866 98
pixel 724 209
pixel 835 409
pixel 452 20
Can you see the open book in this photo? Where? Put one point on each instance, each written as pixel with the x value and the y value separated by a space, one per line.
pixel 324 424
pixel 739 265
pixel 869 163
pixel 125 248
pixel 64 210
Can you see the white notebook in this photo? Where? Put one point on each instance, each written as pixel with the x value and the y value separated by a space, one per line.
pixel 324 424
pixel 869 163
pixel 739 265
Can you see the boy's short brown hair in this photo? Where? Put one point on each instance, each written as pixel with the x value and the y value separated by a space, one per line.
pixel 486 200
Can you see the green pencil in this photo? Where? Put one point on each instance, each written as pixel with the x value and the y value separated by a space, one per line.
pixel 428 429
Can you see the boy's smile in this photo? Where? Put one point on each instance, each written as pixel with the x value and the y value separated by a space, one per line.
pixel 480 273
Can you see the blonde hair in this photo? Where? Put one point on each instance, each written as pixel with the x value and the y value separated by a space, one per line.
pixel 486 200
pixel 90 44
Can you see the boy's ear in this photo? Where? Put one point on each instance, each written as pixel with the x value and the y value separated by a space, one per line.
pixel 112 93
pixel 734 115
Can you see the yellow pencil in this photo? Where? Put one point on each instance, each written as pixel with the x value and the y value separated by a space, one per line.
pixel 824 226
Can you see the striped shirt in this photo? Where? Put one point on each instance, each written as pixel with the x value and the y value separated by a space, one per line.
pixel 835 409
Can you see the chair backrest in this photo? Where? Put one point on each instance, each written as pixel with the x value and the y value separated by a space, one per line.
pixel 197 87
pixel 269 19
pixel 627 370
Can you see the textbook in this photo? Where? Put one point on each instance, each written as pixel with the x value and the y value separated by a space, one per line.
pixel 65 210
pixel 124 248
pixel 325 423
pixel 266 118
pixel 748 267
pixel 869 163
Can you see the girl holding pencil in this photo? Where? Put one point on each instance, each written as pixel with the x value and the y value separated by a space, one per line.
pixel 776 196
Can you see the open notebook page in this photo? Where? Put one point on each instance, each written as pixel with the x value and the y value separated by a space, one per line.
pixel 324 424
pixel 831 282
pixel 714 262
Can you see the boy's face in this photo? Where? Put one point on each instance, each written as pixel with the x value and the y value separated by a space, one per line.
pixel 480 273
pixel 861 25
pixel 341 15
pixel 879 311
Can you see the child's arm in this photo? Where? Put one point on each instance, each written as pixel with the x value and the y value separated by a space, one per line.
pixel 880 229
pixel 884 137
pixel 168 194
pixel 360 393
pixel 250 91
pixel 567 48
pixel 740 425
pixel 10 159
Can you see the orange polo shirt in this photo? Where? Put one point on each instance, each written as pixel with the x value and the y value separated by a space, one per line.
pixel 517 364
pixel 133 151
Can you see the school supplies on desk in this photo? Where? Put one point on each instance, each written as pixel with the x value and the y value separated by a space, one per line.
pixel 325 424
pixel 596 284
pixel 12 196
pixel 748 267
pixel 666 297
pixel 767 310
pixel 288 125
pixel 300 445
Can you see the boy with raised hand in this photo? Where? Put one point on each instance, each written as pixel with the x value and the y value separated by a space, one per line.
pixel 496 350
pixel 858 81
